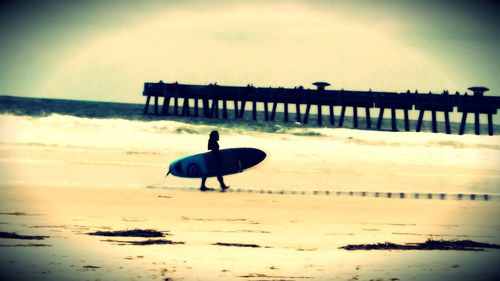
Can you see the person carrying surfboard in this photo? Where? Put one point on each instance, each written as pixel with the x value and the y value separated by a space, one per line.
pixel 213 146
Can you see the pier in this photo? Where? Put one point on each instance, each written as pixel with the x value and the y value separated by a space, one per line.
pixel 216 101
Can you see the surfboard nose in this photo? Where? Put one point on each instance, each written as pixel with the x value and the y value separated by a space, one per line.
pixel 176 168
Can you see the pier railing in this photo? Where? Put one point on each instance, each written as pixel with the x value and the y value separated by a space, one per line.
pixel 206 101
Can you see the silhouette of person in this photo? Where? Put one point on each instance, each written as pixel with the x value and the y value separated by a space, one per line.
pixel 213 146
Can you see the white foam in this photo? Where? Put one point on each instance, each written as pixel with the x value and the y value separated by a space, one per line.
pixel 404 155
pixel 69 131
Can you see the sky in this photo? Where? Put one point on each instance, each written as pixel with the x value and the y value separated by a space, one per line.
pixel 106 50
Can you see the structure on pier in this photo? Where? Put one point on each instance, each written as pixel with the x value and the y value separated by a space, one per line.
pixel 212 95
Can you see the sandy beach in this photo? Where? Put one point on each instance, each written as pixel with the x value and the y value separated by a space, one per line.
pixel 55 192
pixel 239 236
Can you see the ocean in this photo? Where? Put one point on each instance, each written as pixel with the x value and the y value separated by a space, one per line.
pixel 68 142
pixel 42 107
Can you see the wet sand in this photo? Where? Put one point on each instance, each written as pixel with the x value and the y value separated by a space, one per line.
pixel 238 236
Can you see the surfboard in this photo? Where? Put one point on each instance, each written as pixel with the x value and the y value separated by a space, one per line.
pixel 205 165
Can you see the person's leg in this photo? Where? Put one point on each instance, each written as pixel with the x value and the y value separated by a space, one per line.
pixel 203 186
pixel 222 184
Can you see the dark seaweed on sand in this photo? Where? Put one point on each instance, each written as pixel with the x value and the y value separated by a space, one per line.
pixel 26 245
pixel 236 245
pixel 145 242
pixel 14 214
pixel 129 233
pixel 13 235
pixel 430 244
pixel 18 214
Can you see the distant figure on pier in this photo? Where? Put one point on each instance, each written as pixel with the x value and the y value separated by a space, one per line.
pixel 214 147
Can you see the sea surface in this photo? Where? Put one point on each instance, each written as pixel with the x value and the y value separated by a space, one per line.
pixel 41 107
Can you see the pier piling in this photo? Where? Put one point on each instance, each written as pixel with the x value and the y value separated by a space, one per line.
pixel 211 95
pixel 332 116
